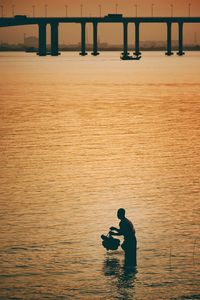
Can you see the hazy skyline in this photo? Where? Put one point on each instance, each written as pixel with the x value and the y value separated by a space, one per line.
pixel 71 33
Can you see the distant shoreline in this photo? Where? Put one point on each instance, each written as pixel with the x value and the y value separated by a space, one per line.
pixel 29 50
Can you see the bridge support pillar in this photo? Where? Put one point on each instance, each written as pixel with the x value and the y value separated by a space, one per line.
pixel 169 39
pixel 42 49
pixel 54 39
pixel 125 50
pixel 83 40
pixel 180 43
pixel 95 39
pixel 137 39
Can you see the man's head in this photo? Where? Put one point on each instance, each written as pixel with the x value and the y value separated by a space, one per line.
pixel 121 213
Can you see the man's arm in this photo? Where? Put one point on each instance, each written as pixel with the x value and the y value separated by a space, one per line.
pixel 115 233
pixel 114 229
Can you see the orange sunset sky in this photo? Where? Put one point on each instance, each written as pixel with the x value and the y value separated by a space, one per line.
pixel 70 33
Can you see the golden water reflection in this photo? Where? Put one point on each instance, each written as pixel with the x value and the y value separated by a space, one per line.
pixel 81 137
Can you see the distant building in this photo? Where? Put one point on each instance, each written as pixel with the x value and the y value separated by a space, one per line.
pixel 175 43
pixel 31 42
pixel 104 45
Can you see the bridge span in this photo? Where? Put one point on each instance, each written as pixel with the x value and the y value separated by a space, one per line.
pixel 54 22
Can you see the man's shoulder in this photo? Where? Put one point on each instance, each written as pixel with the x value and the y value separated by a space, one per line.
pixel 127 221
pixel 124 222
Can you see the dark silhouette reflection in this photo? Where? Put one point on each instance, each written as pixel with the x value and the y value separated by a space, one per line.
pixel 120 277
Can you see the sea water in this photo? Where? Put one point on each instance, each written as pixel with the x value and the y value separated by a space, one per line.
pixel 81 137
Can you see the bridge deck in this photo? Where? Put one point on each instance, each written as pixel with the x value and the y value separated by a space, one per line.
pixel 4 22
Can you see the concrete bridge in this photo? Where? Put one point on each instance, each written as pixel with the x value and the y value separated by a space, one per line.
pixel 95 21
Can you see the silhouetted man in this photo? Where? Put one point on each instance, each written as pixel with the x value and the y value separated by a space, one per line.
pixel 129 245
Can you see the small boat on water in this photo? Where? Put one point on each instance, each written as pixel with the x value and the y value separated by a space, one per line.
pixel 128 57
